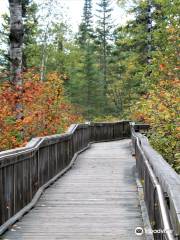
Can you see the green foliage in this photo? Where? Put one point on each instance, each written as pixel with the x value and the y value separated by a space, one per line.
pixel 86 31
pixel 160 109
pixel 129 64
pixel 149 92
pixel 85 82
pixel 104 41
pixel 30 10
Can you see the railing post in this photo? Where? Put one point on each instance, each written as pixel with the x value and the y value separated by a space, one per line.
pixel 24 171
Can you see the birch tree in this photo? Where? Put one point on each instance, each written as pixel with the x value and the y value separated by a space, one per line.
pixel 15 50
pixel 51 13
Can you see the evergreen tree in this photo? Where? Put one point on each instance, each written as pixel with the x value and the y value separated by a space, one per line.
pixel 87 71
pixel 90 71
pixel 129 65
pixel 85 28
pixel 103 41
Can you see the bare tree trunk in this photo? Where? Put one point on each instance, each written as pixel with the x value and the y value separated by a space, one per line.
pixel 15 52
pixel 44 56
pixel 45 38
pixel 16 40
pixel 149 26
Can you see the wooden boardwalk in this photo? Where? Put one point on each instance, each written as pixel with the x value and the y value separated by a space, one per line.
pixel 96 200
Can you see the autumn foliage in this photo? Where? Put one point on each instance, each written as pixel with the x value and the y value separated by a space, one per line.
pixel 45 110
pixel 160 108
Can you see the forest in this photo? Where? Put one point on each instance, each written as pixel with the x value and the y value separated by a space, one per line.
pixel 51 77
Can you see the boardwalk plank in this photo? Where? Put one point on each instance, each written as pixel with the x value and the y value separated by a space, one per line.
pixel 96 200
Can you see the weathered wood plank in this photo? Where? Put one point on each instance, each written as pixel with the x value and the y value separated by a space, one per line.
pixel 97 199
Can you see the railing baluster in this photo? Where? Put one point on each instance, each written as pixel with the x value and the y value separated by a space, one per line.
pixel 24 171
pixel 153 172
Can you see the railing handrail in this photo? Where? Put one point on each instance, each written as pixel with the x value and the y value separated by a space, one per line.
pixel 25 172
pixel 35 143
pixel 163 209
pixel 164 214
pixel 76 138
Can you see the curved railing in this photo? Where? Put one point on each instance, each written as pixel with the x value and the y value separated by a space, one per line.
pixel 26 172
pixel 161 186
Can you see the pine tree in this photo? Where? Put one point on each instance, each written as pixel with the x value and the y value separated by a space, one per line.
pixel 88 71
pixel 129 68
pixel 85 28
pixel 103 40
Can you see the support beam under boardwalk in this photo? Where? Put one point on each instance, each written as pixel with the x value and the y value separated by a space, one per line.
pixel 96 200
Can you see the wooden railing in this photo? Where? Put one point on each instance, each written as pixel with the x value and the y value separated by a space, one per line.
pixel 26 172
pixel 161 186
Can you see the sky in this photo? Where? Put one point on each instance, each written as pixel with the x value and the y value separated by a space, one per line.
pixel 74 10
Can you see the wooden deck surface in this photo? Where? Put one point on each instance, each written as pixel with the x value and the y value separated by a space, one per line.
pixel 96 200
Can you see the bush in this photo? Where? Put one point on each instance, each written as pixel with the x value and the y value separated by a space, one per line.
pixel 45 110
pixel 160 109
